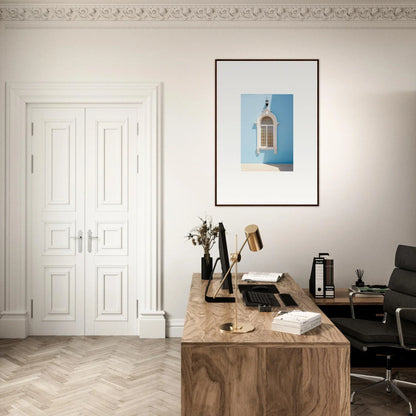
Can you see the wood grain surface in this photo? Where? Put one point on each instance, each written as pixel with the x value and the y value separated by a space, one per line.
pixel 203 319
pixel 262 373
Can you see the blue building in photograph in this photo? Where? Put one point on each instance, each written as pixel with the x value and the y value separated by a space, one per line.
pixel 267 132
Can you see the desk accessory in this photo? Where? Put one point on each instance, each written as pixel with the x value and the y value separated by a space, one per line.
pixel 296 322
pixel 225 266
pixel 252 298
pixel 204 235
pixel 255 243
pixel 259 288
pixel 218 299
pixel 262 277
pixel 287 299
pixel 370 289
pixel 360 274
pixel 225 261
pixel 321 281
pixel 329 278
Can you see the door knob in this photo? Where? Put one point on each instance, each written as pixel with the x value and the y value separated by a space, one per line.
pixel 90 237
pixel 79 238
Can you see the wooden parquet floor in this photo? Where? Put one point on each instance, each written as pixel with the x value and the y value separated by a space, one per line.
pixel 90 376
pixel 120 376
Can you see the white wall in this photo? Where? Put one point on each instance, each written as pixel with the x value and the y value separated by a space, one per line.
pixel 367 135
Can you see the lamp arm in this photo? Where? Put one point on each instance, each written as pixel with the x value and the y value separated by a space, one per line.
pixel 230 268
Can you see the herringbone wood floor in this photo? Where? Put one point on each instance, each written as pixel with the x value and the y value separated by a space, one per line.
pixel 77 376
pixel 120 376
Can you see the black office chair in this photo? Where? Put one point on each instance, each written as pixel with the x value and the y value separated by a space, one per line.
pixel 398 329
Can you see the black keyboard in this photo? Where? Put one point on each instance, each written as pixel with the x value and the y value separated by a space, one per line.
pixel 287 299
pixel 259 298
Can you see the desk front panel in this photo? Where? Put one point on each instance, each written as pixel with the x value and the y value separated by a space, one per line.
pixel 258 380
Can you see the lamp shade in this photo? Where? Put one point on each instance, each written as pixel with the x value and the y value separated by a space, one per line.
pixel 253 237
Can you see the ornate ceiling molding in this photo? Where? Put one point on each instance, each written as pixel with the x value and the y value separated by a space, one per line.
pixel 217 13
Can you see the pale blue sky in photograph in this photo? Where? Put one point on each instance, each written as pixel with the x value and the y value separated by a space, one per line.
pixel 281 105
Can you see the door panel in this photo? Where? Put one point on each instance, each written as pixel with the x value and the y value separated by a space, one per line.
pixel 112 164
pixel 60 165
pixel 56 215
pixel 111 221
pixel 59 294
pixel 58 238
pixel 84 184
pixel 112 293
pixel 112 239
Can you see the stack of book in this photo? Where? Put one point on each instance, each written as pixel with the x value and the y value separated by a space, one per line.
pixel 296 322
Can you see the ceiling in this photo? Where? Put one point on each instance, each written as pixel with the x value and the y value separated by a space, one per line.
pixel 216 2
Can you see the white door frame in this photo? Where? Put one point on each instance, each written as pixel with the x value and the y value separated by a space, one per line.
pixel 14 317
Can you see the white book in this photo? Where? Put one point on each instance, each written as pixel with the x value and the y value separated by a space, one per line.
pixel 296 322
pixel 295 331
pixel 262 277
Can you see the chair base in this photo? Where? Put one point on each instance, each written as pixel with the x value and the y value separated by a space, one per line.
pixel 391 385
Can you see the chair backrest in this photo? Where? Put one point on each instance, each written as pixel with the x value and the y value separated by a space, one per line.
pixel 402 284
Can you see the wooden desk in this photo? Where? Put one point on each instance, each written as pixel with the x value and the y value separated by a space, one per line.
pixel 264 372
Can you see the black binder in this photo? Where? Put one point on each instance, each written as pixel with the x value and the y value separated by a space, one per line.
pixel 329 278
pixel 321 281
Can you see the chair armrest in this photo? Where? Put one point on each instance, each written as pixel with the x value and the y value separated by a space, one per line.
pixel 351 297
pixel 400 329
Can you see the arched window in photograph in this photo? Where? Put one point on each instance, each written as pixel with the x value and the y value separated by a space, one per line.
pixel 267 130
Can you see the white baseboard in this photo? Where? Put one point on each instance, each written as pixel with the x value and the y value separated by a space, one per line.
pixel 14 325
pixel 175 328
pixel 152 324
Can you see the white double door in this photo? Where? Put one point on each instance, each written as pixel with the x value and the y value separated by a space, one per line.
pixel 82 219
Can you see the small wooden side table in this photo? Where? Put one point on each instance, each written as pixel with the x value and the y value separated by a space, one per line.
pixel 366 307
pixel 341 298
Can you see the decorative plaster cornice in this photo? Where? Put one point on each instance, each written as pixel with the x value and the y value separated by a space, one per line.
pixel 218 13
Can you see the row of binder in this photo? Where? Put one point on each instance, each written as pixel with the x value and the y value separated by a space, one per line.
pixel 321 282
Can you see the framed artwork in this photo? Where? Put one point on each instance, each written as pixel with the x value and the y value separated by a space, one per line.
pixel 266 132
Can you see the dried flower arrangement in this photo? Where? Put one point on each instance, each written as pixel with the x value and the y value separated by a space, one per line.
pixel 204 235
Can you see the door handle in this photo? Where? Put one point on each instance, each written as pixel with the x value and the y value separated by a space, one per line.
pixel 79 238
pixel 90 237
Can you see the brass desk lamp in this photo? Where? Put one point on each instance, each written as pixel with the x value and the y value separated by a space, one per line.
pixel 253 239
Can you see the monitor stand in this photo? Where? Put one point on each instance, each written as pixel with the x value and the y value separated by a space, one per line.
pixel 218 299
